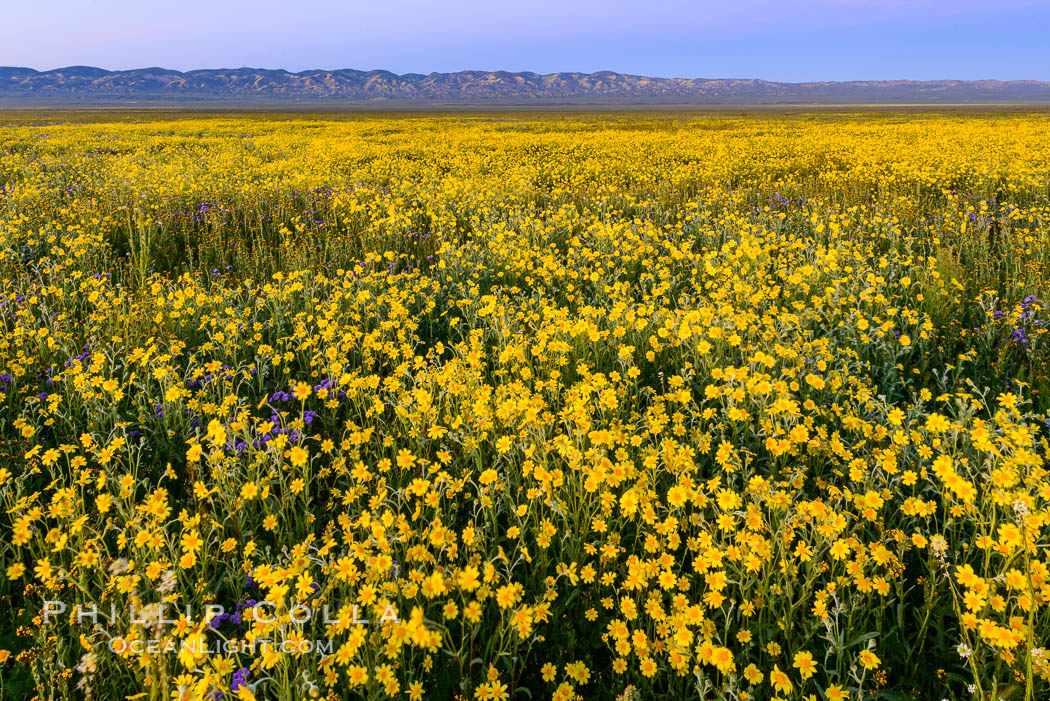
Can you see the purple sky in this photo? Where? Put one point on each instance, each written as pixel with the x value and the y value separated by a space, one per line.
pixel 770 39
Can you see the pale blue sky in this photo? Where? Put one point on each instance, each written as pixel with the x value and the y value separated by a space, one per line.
pixel 771 39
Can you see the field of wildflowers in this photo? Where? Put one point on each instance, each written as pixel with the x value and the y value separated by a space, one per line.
pixel 592 406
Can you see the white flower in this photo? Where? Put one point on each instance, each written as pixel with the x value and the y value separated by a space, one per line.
pixel 1020 508
pixel 167 582
pixel 119 566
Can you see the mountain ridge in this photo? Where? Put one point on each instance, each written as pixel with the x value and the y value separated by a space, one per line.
pixel 87 83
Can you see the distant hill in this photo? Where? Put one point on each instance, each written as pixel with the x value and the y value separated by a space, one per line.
pixel 88 85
